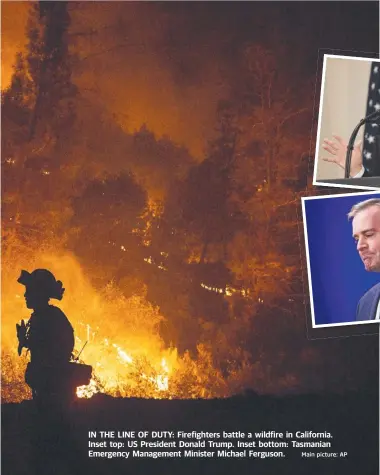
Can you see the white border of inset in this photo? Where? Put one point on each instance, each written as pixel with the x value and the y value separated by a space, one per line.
pixel 327 325
pixel 321 183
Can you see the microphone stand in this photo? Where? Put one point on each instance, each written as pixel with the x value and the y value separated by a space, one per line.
pixel 373 117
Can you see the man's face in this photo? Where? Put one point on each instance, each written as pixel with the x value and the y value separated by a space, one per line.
pixel 366 232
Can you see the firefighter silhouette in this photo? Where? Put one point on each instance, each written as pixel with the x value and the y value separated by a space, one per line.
pixel 49 337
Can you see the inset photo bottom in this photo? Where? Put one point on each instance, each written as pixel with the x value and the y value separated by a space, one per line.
pixel 342 238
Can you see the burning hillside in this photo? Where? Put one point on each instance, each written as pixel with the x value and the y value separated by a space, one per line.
pixel 204 296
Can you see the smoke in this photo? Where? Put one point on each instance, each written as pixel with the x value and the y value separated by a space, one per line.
pixel 128 61
pixel 146 74
pixel 167 64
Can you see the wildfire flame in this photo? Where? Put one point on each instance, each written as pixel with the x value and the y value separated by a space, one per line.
pixel 161 380
pixel 89 390
pixel 123 346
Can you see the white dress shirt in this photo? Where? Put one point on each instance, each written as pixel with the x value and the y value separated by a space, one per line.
pixel 360 174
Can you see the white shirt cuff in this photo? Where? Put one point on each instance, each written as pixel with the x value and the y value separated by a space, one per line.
pixel 360 174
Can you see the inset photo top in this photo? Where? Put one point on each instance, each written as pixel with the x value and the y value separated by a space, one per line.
pixel 342 234
pixel 348 139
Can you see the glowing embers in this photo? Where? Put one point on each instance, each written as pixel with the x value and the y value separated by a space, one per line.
pixel 150 260
pixel 89 390
pixel 213 289
pixel 228 290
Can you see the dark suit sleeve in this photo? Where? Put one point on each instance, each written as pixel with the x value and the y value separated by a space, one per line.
pixel 358 309
pixel 367 306
pixel 366 173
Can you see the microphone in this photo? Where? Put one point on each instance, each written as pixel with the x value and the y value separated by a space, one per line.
pixel 373 117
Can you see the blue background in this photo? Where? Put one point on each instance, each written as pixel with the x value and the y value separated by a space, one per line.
pixel 338 276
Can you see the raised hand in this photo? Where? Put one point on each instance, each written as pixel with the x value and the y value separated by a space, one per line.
pixel 338 149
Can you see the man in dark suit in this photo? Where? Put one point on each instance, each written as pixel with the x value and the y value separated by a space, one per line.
pixel 366 232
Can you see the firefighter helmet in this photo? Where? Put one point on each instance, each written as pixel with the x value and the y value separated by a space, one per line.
pixel 42 280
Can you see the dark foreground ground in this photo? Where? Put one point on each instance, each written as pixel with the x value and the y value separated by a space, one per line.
pixel 31 445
